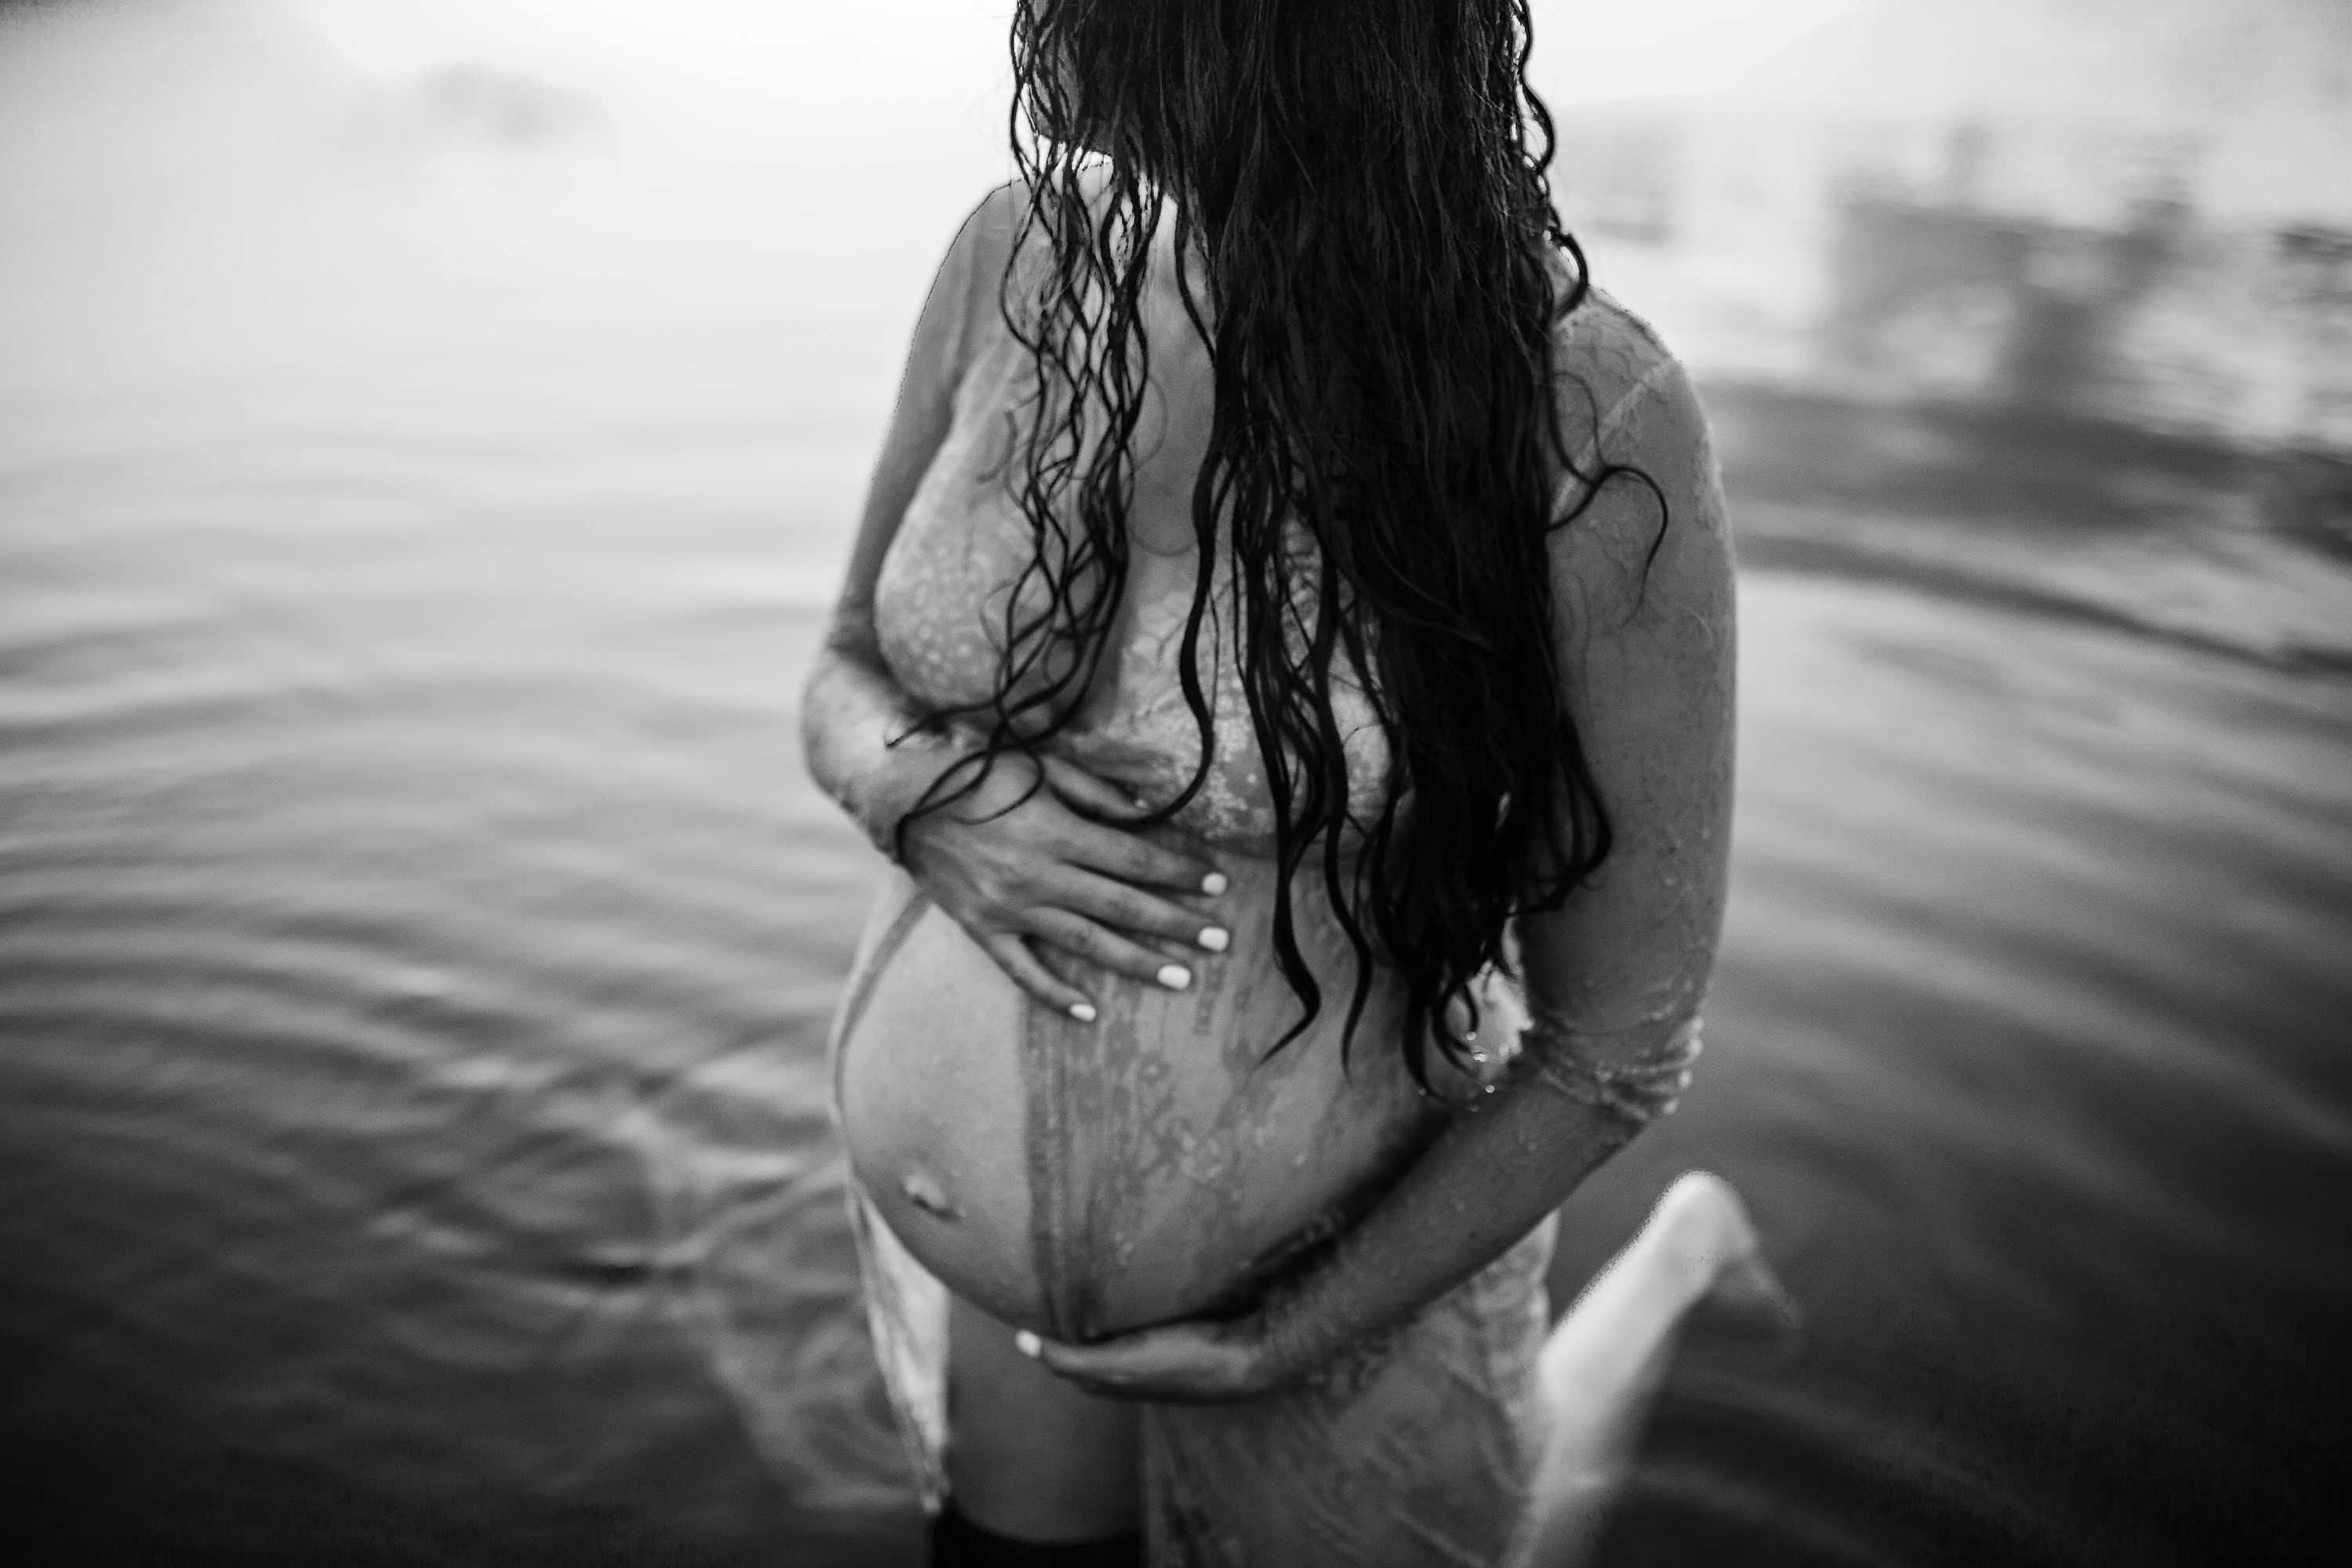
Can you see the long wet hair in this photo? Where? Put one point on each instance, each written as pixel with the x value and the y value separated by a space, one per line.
pixel 1385 453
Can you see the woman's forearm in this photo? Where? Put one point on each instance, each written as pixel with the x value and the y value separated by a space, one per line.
pixel 1616 970
pixel 858 729
pixel 864 741
pixel 1498 1169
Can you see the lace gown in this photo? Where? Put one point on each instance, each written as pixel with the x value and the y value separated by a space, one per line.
pixel 1161 1161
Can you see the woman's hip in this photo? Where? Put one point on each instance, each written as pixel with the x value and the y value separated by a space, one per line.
pixel 1415 1449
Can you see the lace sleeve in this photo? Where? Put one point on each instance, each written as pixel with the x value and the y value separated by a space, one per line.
pixel 1636 1089
pixel 1645 611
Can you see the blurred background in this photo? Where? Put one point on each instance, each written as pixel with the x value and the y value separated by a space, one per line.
pixel 429 432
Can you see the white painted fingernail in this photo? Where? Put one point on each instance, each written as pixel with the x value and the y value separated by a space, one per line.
pixel 1214 939
pixel 1083 1012
pixel 1175 977
pixel 1215 883
pixel 1027 1343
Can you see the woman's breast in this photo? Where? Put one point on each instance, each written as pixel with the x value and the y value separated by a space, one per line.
pixel 955 575
pixel 1081 1179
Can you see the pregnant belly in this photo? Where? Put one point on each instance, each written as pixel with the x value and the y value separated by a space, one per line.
pixel 1083 1179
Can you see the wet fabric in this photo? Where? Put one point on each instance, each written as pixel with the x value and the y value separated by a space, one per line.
pixel 1415 1449
pixel 955 567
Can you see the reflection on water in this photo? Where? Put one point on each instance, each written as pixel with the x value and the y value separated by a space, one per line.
pixel 416 933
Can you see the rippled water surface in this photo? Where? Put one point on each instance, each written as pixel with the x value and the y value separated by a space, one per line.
pixel 416 933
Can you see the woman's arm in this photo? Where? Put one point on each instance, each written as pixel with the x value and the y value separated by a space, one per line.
pixel 1615 976
pixel 1013 863
pixel 854 714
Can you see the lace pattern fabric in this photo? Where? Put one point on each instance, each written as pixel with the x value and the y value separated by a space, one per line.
pixel 949 577
pixel 1416 1448
pixel 1419 1448
pixel 1637 1090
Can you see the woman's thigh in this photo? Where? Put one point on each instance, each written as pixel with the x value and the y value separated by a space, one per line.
pixel 1029 1455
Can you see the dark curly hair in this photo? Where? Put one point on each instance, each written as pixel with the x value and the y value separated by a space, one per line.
pixel 1375 218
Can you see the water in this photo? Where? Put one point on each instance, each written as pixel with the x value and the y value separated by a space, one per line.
pixel 416 933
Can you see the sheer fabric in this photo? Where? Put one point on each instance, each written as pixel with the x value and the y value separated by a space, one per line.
pixel 1414 1449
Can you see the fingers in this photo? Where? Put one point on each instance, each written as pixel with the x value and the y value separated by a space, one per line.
pixel 1089 794
pixel 1012 956
pixel 1133 858
pixel 1105 1369
pixel 1120 853
pixel 1129 907
pixel 1082 938
pixel 1178 1363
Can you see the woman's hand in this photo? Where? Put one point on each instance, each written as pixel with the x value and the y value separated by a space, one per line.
pixel 1197 1363
pixel 1024 859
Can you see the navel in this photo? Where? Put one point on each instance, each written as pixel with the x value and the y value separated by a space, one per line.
pixel 923 1190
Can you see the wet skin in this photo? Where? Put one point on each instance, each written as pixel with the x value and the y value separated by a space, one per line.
pixel 1078 1179
pixel 1191 1162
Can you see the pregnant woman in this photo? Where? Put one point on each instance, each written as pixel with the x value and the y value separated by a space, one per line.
pixel 1288 656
